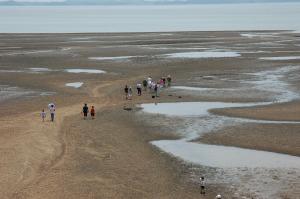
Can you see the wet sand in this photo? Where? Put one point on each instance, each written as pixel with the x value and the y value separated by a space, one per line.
pixel 111 157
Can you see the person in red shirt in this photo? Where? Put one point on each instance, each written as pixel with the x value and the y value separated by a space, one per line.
pixel 93 113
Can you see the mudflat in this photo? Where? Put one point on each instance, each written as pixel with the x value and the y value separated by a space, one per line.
pixel 112 155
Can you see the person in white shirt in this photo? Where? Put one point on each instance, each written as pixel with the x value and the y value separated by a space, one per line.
pixel 202 185
pixel 52 112
pixel 43 115
pixel 219 197
pixel 149 82
pixel 139 89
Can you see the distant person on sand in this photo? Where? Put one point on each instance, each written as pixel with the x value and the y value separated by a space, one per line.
pixel 43 115
pixel 139 89
pixel 161 82
pixel 164 81
pixel 52 112
pixel 85 111
pixel 219 197
pixel 169 80
pixel 149 82
pixel 156 87
pixel 202 186
pixel 145 84
pixel 126 89
pixel 93 112
pixel 130 93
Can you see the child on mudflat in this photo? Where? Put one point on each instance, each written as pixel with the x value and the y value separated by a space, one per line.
pixel 93 112
pixel 43 115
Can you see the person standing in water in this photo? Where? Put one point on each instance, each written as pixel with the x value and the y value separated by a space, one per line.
pixel 202 186
pixel 126 92
pixel 85 111
pixel 139 89
pixel 93 112
pixel 52 112
pixel 43 115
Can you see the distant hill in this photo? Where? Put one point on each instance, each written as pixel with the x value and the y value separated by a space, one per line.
pixel 129 2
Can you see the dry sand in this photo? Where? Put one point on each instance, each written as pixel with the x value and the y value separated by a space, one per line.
pixel 110 157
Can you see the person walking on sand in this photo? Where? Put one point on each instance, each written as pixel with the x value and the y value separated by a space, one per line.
pixel 164 81
pixel 149 82
pixel 85 111
pixel 161 82
pixel 145 84
pixel 126 89
pixel 130 93
pixel 202 186
pixel 156 90
pixel 169 80
pixel 43 115
pixel 93 112
pixel 52 112
pixel 139 89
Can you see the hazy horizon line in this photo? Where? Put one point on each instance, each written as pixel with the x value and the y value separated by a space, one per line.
pixel 134 3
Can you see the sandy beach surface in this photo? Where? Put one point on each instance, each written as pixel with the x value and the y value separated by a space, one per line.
pixel 122 153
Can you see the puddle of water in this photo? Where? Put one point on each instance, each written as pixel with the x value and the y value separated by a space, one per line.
pixel 27 52
pixel 280 58
pixel 47 93
pixel 272 81
pixel 252 35
pixel 166 34
pixel 9 47
pixel 74 84
pixel 189 88
pixel 226 157
pixel 93 71
pixel 195 55
pixel 249 171
pixel 12 71
pixel 174 48
pixel 40 69
pixel 113 58
pixel 7 92
pixel 191 108
pixel 267 85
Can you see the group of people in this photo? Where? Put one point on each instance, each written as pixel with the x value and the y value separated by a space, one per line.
pixel 51 108
pixel 147 84
pixel 150 85
pixel 86 111
pixel 203 188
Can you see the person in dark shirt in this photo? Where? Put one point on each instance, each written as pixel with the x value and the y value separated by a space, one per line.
pixel 85 111
pixel 126 89
pixel 145 84
pixel 169 80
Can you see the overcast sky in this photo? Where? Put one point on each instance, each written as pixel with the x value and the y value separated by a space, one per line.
pixel 105 2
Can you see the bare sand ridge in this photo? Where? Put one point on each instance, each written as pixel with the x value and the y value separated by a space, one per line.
pixel 110 157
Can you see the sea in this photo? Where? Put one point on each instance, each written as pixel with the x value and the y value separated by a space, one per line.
pixel 201 17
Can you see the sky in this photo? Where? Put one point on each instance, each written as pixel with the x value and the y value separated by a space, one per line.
pixel 112 2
